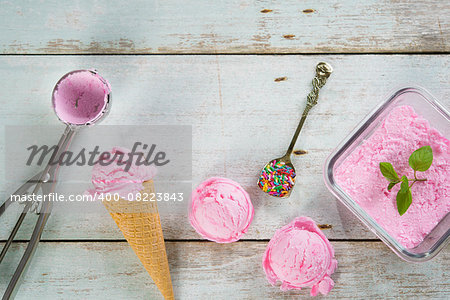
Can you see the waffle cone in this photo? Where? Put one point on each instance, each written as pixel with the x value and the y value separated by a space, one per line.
pixel 141 226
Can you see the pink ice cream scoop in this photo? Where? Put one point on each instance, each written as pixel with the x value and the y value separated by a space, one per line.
pixel 110 176
pixel 299 255
pixel 81 97
pixel 221 210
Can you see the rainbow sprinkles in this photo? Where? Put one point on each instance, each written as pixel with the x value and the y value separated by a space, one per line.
pixel 277 179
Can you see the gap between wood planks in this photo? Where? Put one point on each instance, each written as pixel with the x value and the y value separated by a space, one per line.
pixel 232 54
pixel 176 240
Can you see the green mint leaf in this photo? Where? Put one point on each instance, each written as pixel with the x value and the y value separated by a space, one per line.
pixel 391 185
pixel 388 171
pixel 404 197
pixel 421 159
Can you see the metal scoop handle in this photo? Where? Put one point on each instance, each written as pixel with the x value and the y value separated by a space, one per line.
pixel 46 180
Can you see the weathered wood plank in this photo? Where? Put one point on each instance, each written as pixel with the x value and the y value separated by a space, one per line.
pixel 367 270
pixel 220 96
pixel 224 26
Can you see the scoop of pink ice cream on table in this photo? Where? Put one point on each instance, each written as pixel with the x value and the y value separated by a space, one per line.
pixel 299 255
pixel 221 210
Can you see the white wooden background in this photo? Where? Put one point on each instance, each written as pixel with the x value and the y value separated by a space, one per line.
pixel 226 99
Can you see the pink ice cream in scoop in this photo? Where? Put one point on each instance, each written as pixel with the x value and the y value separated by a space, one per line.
pixel 80 97
pixel 221 210
pixel 299 255
pixel 109 175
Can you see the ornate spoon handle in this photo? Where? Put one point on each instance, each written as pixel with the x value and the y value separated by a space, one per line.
pixel 323 71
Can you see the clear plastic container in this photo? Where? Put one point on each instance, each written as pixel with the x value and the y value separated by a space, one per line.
pixel 426 106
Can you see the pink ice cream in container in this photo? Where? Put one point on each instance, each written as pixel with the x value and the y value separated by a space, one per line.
pixel 410 119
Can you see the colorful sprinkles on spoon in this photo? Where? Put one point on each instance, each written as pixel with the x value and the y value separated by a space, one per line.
pixel 277 179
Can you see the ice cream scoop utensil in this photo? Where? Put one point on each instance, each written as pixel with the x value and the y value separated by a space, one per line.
pixel 46 182
pixel 278 175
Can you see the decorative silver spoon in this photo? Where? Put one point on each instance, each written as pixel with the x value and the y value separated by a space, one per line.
pixel 278 175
